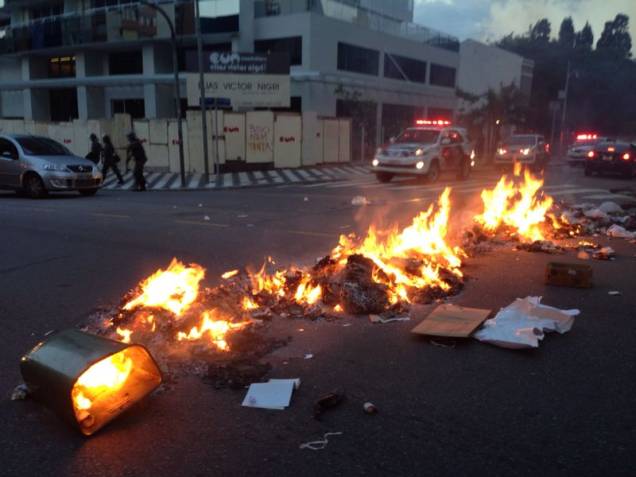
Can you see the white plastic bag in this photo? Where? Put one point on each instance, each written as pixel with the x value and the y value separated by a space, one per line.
pixel 523 323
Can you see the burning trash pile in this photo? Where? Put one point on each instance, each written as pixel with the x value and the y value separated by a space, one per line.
pixel 518 210
pixel 382 273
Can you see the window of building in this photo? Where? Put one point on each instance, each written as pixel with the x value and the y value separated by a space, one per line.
pixel 135 107
pixel 51 9
pixel 442 75
pixel 358 59
pixel 111 3
pixel 62 67
pixel 125 63
pixel 403 68
pixel 63 104
pixel 292 46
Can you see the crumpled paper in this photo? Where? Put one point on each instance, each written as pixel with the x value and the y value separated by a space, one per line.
pixel 524 322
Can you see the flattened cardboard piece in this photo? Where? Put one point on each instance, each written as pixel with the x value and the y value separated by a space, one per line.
pixel 452 321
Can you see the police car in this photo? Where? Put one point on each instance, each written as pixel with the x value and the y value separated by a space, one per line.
pixel 426 150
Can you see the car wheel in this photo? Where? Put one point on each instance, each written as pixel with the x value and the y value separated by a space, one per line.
pixel 34 186
pixel 384 177
pixel 464 169
pixel 433 172
pixel 88 192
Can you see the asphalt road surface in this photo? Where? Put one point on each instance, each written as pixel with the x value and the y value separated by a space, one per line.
pixel 567 408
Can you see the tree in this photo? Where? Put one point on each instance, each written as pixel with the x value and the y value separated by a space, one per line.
pixel 615 39
pixel 541 30
pixel 585 38
pixel 566 33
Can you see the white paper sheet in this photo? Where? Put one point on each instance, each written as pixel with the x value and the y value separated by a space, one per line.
pixel 275 394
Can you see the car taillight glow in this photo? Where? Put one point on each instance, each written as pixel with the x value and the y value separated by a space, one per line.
pixel 611 149
pixel 626 156
pixel 590 154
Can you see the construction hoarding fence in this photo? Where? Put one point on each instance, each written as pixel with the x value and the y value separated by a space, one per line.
pixel 255 138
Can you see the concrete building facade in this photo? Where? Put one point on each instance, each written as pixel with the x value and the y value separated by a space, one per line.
pixel 85 59
pixel 484 67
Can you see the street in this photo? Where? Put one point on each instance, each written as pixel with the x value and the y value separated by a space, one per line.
pixel 445 408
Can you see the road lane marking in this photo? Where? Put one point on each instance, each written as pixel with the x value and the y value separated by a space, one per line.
pixel 209 224
pixel 115 216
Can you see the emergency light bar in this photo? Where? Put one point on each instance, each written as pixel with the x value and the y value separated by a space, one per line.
pixel 432 122
pixel 586 137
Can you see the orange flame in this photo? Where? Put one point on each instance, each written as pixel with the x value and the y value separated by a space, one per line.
pixel 424 241
pixel 521 206
pixel 173 289
pixel 214 327
pixel 109 374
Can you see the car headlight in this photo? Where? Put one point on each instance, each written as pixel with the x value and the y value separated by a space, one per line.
pixel 375 163
pixel 525 151
pixel 419 152
pixel 51 166
pixel 501 151
pixel 419 165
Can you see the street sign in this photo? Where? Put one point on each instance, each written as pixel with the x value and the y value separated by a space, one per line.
pixel 218 102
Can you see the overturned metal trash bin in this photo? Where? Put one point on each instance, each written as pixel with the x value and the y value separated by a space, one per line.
pixel 87 379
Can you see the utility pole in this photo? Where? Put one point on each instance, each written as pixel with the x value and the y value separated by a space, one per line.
pixel 177 89
pixel 202 103
pixel 565 110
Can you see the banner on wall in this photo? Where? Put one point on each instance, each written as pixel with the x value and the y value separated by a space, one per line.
pixel 243 90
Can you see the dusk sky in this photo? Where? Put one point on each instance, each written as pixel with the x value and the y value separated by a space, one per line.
pixel 491 19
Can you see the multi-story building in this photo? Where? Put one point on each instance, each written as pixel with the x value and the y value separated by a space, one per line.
pixel 64 59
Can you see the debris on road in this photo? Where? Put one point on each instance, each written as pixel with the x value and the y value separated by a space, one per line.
pixel 617 231
pixel 274 394
pixel 369 408
pixel 319 444
pixel 309 356
pixel 524 323
pixel 610 208
pixel 206 218
pixel 328 401
pixel 583 255
pixel 614 293
pixel 237 374
pixel 20 392
pixel 451 321
pixel 545 246
pixel 574 275
pixel 604 253
pixel 384 321
pixel 360 200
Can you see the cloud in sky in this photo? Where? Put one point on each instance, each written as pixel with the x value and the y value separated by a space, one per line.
pixel 491 19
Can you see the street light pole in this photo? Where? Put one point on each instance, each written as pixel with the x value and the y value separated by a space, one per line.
pixel 203 106
pixel 565 109
pixel 177 90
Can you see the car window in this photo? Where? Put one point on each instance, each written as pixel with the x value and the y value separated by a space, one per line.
pixel 42 146
pixel 7 146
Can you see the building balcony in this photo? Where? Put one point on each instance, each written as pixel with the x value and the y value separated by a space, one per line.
pixel 107 25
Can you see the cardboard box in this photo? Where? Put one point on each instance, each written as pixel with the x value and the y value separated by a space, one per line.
pixel 568 275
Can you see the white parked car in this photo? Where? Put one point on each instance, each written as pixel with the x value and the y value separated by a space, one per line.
pixel 426 150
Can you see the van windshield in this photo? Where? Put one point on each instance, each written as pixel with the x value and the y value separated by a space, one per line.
pixel 419 136
pixel 520 141
pixel 42 146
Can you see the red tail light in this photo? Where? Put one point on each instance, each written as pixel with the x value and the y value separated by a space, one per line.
pixel 547 147
pixel 590 154
pixel 626 156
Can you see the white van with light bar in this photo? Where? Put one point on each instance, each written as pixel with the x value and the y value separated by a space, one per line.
pixel 426 150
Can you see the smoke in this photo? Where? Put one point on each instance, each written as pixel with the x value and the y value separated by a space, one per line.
pixel 492 19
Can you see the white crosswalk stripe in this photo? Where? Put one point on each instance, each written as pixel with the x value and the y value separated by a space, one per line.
pixel 342 176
